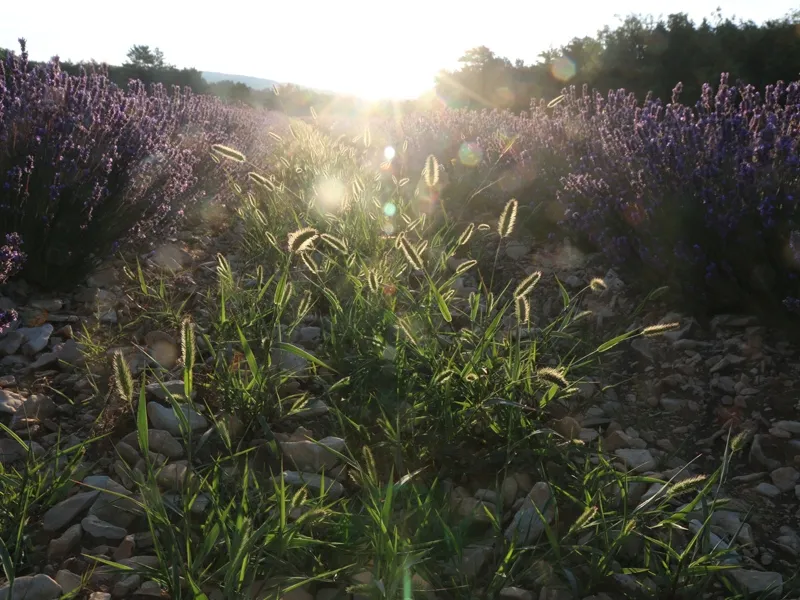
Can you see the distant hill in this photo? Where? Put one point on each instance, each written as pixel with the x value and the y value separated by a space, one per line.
pixel 255 83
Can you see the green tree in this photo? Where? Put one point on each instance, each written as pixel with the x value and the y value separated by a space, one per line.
pixel 142 56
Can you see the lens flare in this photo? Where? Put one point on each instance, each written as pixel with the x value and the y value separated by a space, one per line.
pixel 389 209
pixel 330 195
pixel 563 69
pixel 470 154
pixel 389 153
pixel 388 228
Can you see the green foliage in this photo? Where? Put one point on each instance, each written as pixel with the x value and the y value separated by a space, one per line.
pixel 641 54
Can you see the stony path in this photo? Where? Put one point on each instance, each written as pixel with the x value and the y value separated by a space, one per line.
pixel 663 406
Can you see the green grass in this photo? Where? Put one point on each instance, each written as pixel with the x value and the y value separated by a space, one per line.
pixel 431 388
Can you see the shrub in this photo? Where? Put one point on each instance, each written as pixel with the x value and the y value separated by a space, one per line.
pixel 86 166
pixel 11 259
pixel 701 197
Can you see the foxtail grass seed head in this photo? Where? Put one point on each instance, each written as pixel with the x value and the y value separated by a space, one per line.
pixel 302 239
pixel 556 101
pixel 654 330
pixel 123 380
pixel 553 376
pixel 526 285
pixel 464 267
pixel 505 225
pixel 421 247
pixel 229 153
pixel 334 242
pixel 373 282
pixel 309 262
pixel 413 258
pixel 522 309
pixel 187 342
pixel 484 227
pixel 466 234
pixel 260 180
pixel 685 485
pixel 431 171
pixel 313 113
pixel 597 285
pixel 275 136
pixel 237 187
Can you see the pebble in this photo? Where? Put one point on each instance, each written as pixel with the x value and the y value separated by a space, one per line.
pixel 314 482
pixel 32 587
pixel 69 540
pixel 66 511
pixel 10 402
pixel 98 528
pixel 68 581
pixel 768 490
pixel 159 441
pixel 165 418
pixel 640 461
pixel 312 457
pixel 785 478
pixel 527 525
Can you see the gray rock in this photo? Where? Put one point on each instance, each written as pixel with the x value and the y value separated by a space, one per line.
pixel 768 490
pixel 10 402
pixel 515 593
pixel 790 426
pixel 11 343
pixel 785 478
pixel 170 257
pixel 516 250
pixel 126 586
pixel 309 335
pixel 68 581
pixel 163 417
pixel 473 560
pixel 163 348
pixel 50 305
pixel 757 582
pixel 310 456
pixel 98 528
pixel 159 441
pixel 314 408
pixel 66 511
pixel 758 457
pixel 315 483
pixel 35 338
pixel 288 361
pixel 38 406
pixel 527 525
pixel 672 404
pixel 61 546
pixel 172 476
pixel 113 504
pixel 32 587
pixel 642 346
pixel 164 389
pixel 99 596
pixel 12 451
pixel 638 460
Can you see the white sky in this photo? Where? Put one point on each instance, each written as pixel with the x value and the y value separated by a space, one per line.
pixel 374 48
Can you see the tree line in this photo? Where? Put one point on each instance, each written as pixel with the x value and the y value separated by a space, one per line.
pixel 642 55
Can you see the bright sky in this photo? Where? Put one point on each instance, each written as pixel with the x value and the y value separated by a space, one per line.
pixel 371 48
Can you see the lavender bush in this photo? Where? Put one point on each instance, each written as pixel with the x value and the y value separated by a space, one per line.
pixel 86 166
pixel 703 197
pixel 11 259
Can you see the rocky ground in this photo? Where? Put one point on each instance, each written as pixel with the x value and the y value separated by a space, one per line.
pixel 665 406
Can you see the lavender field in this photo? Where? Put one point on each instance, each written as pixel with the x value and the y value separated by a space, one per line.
pixel 446 353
